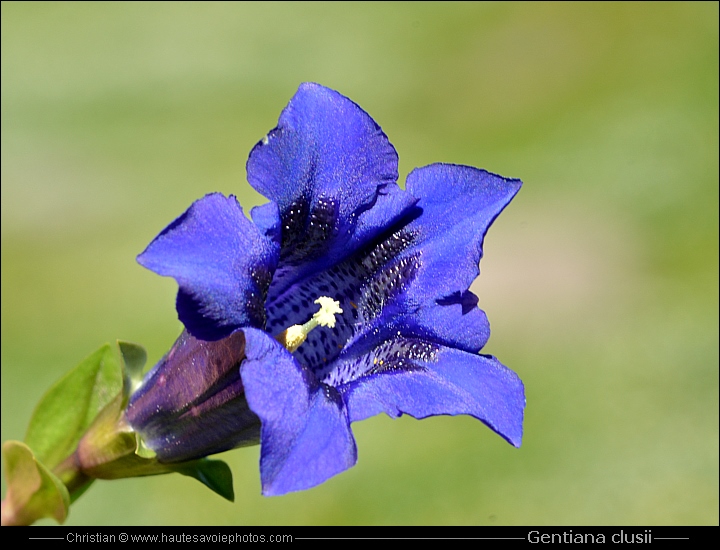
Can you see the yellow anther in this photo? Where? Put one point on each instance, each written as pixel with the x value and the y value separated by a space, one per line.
pixel 293 337
pixel 326 315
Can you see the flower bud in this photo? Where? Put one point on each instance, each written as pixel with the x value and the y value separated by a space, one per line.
pixel 192 403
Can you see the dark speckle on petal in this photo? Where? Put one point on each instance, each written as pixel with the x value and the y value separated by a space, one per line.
pixel 399 354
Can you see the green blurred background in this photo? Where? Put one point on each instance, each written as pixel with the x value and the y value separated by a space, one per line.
pixel 600 280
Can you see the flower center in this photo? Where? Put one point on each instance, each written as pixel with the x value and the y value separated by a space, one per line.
pixel 294 336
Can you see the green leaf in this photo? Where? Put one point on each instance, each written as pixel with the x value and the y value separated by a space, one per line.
pixel 66 411
pixel 32 491
pixel 214 474
pixel 142 450
pixel 134 357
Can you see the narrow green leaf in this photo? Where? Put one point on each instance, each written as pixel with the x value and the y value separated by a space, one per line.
pixel 134 357
pixel 32 491
pixel 142 450
pixel 214 474
pixel 69 407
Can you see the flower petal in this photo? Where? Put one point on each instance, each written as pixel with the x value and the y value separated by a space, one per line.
pixel 305 433
pixel 454 382
pixel 267 219
pixel 458 205
pixel 332 172
pixel 454 321
pixel 222 263
pixel 422 289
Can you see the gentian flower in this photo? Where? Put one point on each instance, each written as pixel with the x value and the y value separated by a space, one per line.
pixel 398 329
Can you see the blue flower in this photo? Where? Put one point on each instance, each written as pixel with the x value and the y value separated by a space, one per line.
pixel 399 263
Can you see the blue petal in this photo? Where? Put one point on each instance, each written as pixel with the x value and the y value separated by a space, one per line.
pixel 332 172
pixel 458 205
pixel 454 321
pixel 305 434
pixel 453 382
pixel 420 286
pixel 267 218
pixel 222 263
